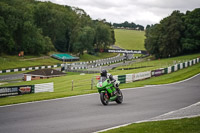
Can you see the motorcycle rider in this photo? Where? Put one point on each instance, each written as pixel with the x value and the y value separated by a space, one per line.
pixel 105 75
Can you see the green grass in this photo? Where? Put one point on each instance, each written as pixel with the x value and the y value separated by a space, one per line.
pixel 130 39
pixel 10 62
pixel 186 125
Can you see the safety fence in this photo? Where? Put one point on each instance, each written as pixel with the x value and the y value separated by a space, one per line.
pixel 128 78
pixel 26 89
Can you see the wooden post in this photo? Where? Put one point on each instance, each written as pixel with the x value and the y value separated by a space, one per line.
pixel 72 85
pixel 92 83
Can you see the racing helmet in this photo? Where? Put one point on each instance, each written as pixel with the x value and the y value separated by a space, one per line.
pixel 104 73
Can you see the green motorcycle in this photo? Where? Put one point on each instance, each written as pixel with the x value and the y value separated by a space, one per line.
pixel 108 91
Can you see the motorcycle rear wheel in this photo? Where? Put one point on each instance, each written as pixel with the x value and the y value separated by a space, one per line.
pixel 104 98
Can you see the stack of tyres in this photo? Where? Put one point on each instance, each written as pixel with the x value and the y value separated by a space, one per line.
pixel 122 78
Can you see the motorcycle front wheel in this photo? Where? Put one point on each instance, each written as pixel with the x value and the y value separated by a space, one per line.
pixel 119 99
pixel 104 98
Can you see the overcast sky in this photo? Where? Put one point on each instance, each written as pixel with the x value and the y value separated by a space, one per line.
pixel 141 12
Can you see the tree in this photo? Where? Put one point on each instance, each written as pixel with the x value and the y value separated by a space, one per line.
pixel 171 34
pixel 191 39
pixel 37 27
pixel 103 36
pixel 148 26
pixel 164 39
pixel 6 41
pixel 84 40
pixel 126 24
pixel 152 38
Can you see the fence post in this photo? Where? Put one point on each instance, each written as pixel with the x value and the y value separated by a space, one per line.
pixel 92 83
pixel 72 85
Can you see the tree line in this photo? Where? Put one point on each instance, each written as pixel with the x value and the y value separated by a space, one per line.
pixel 175 35
pixel 128 25
pixel 40 27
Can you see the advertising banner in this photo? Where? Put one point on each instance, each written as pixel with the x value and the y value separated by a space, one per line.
pixel 16 90
pixel 122 51
pixel 8 91
pixel 142 75
pixel 25 90
pixel 157 72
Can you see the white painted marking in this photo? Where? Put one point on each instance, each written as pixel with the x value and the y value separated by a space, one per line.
pixel 48 100
pixel 151 120
pixel 15 70
pixel 7 71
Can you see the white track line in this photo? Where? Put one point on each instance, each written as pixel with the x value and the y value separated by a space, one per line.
pixel 95 93
pixel 48 100
pixel 152 119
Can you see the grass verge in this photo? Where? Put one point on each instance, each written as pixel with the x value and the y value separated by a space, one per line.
pixel 130 39
pixel 186 125
pixel 11 62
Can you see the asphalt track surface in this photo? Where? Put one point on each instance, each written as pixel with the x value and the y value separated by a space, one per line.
pixel 85 114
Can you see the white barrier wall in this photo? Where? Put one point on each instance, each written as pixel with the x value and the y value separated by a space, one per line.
pixel 115 77
pixel 175 67
pixel 169 69
pixel 186 64
pixel 194 61
pixel 142 75
pixel 181 65
pixel 129 78
pixel 46 87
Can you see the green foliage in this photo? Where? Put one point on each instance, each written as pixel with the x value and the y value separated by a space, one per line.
pixel 103 37
pixel 39 27
pixel 191 39
pixel 176 34
pixel 129 25
pixel 84 40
